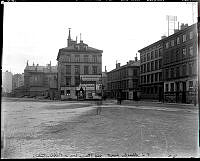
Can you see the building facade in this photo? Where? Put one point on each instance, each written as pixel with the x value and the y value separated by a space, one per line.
pixel 18 80
pixel 151 77
pixel 77 61
pixel 7 82
pixel 180 65
pixel 40 80
pixel 123 81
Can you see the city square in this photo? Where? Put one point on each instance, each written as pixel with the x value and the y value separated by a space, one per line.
pixel 42 129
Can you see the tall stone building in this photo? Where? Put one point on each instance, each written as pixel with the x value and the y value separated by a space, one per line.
pixel 79 70
pixel 123 81
pixel 151 77
pixel 180 65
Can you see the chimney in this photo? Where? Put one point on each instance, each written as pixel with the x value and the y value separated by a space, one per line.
pixel 136 59
pixel 105 69
pixel 117 65
pixel 182 26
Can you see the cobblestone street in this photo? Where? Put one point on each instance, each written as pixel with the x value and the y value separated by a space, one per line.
pixel 74 129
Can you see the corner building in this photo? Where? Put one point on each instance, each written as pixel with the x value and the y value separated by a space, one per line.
pixel 180 65
pixel 79 70
pixel 123 81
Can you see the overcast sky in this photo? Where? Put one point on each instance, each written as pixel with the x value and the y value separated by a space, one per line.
pixel 36 31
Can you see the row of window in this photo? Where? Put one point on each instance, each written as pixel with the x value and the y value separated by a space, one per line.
pixel 150 90
pixel 68 81
pixel 180 71
pixel 176 55
pixel 123 73
pixel 151 55
pixel 179 39
pixel 125 84
pixel 172 87
pixel 85 58
pixel 151 78
pixel 151 66
pixel 77 69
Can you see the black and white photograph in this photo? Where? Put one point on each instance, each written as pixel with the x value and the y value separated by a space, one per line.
pixel 100 80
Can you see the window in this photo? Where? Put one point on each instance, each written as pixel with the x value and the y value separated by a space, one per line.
pixel 152 55
pixel 167 73
pixel 191 35
pixel 156 53
pixel 156 77
pixel 190 68
pixel 77 58
pixel 77 81
pixel 191 50
pixel 190 85
pixel 68 69
pixel 172 87
pixel 178 40
pixel 166 87
pixel 151 78
pixel 94 70
pixel 145 68
pixel 68 58
pixel 184 71
pixel 177 72
pixel 167 45
pixel 156 65
pixel 148 78
pixel 160 76
pixel 86 70
pixel 184 37
pixel 68 92
pixel 94 58
pixel 148 56
pixel 160 63
pixel 148 67
pixel 86 58
pixel 172 73
pixel 145 80
pixel 177 54
pixel 144 58
pixel 160 52
pixel 172 42
pixel 135 72
pixel 77 69
pixel 62 92
pixel 152 65
pixel 68 81
pixel 184 52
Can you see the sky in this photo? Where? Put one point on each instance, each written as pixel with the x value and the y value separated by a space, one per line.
pixel 36 31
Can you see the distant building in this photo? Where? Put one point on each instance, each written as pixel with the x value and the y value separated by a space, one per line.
pixel 105 91
pixel 7 82
pixel 18 80
pixel 79 70
pixel 151 76
pixel 40 80
pixel 180 65
pixel 123 81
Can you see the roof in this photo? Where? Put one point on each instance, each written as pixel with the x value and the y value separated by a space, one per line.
pixel 129 64
pixel 80 47
pixel 44 69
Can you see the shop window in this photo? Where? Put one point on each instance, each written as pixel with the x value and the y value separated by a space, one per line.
pixel 62 92
pixel 68 92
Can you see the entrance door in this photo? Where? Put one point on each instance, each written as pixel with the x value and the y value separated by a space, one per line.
pixel 160 93
pixel 184 92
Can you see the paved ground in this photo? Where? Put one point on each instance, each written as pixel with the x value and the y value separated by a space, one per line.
pixel 73 129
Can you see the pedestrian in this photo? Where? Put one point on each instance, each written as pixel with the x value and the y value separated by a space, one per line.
pixel 99 103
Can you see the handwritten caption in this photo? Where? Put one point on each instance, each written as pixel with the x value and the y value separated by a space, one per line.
pixel 92 155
